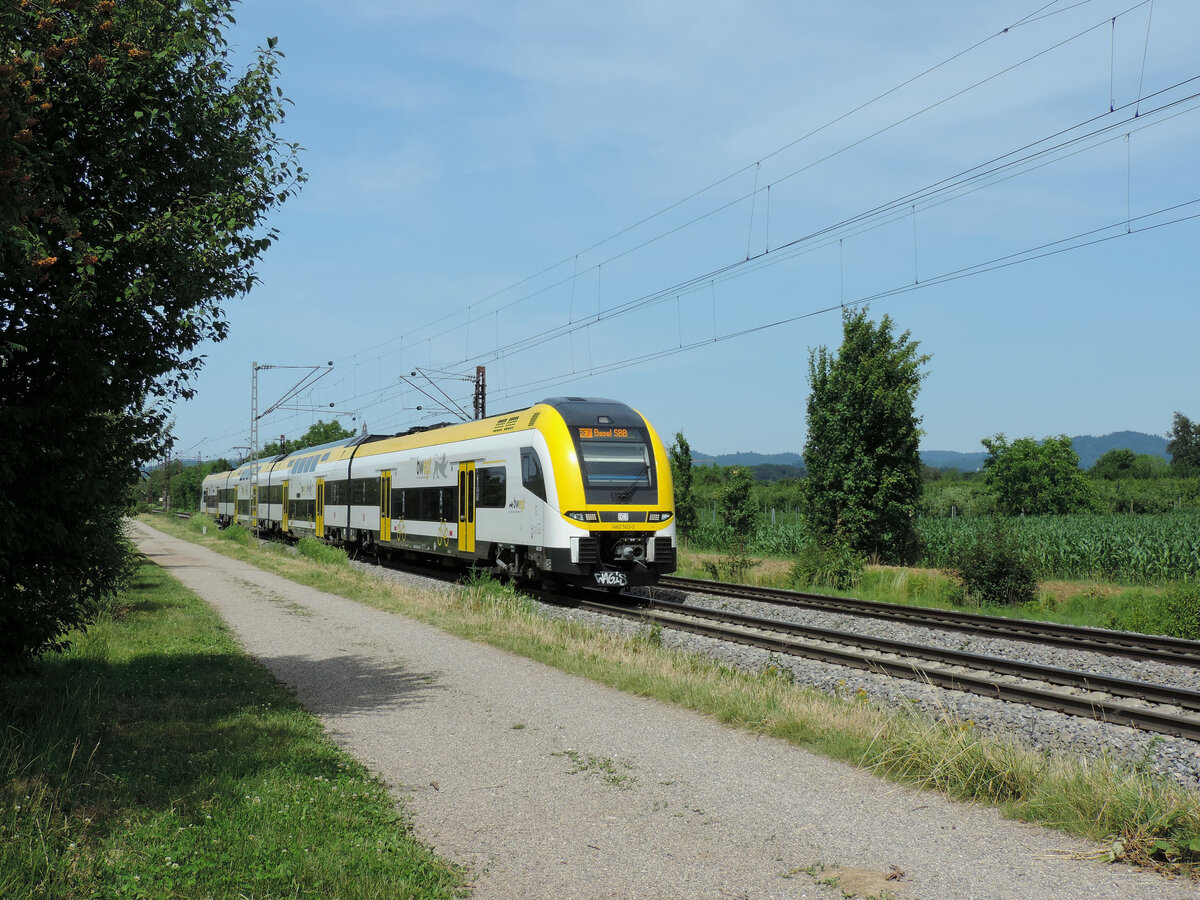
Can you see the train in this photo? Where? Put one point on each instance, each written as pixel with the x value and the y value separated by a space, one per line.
pixel 571 490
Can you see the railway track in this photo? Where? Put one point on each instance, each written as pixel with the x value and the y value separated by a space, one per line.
pixel 1169 711
pixel 1172 711
pixel 1096 640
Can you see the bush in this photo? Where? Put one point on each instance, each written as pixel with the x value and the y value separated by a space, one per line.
pixel 830 561
pixel 1180 607
pixel 239 534
pixel 200 521
pixel 993 568
pixel 321 552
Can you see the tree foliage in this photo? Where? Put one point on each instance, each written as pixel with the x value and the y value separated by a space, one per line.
pixel 1183 443
pixel 1035 478
pixel 1117 464
pixel 321 432
pixel 136 172
pixel 681 473
pixel 994 567
pixel 864 472
pixel 739 514
pixel 737 508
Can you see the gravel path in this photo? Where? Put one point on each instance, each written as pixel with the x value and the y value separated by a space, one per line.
pixel 549 786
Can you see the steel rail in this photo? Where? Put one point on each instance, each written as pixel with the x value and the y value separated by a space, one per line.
pixel 1099 640
pixel 1103 710
pixel 1088 681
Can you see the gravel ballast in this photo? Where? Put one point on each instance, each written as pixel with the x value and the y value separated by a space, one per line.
pixel 1039 729
pixel 547 785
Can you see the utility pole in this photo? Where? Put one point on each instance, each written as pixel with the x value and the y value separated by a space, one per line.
pixel 254 445
pixel 480 403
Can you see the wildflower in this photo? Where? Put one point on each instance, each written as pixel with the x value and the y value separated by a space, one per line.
pixel 97 63
pixel 24 136
pixel 46 262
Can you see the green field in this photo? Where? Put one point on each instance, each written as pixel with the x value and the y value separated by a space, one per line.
pixel 1137 549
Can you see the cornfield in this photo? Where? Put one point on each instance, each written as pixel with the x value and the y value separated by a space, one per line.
pixel 1144 549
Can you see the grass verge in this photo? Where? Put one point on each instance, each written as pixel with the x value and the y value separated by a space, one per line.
pixel 1136 815
pixel 1093 604
pixel 155 760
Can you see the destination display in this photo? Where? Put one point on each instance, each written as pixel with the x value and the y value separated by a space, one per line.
pixel 591 434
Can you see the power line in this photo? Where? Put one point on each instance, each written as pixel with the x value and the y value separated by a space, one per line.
pixel 1010 165
pixel 1028 19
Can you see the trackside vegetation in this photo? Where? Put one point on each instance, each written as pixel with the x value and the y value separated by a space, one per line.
pixel 155 760
pixel 1134 814
pixel 1142 549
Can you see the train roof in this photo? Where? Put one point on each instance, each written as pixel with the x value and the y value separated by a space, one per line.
pixel 571 408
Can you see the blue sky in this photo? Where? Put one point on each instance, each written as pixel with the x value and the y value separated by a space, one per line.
pixel 595 199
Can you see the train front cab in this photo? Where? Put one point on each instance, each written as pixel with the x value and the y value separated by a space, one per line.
pixel 615 526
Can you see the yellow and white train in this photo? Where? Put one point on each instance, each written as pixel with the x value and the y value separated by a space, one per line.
pixel 571 489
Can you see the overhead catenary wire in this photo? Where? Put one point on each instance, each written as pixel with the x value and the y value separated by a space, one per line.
pixel 1004 166
pixel 911 204
pixel 783 179
pixel 1035 16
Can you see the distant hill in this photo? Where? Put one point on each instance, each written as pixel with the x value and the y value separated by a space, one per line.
pixel 748 459
pixel 1089 447
pixel 952 459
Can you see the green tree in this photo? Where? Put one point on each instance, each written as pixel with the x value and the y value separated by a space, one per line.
pixel 1114 464
pixel 321 432
pixel 737 510
pixel 681 473
pixel 1183 443
pixel 738 513
pixel 136 171
pixel 864 472
pixel 1118 464
pixel 1035 478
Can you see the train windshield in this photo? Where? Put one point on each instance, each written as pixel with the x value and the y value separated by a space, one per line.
pixel 617 465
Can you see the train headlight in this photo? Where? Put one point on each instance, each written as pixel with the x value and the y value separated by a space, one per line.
pixel 584 516
pixel 658 516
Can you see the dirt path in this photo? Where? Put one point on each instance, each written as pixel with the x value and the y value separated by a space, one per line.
pixel 549 786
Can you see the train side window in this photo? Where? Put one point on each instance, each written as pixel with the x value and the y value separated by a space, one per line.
pixel 431 500
pixel 490 484
pixel 337 493
pixel 532 478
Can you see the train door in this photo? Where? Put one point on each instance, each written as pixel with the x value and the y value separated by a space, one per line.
pixel 385 506
pixel 320 507
pixel 283 513
pixel 466 507
pixel 254 505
